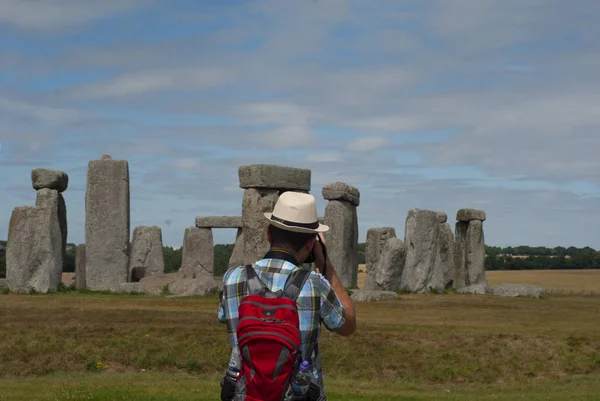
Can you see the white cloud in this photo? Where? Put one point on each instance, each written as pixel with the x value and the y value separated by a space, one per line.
pixel 185 164
pixel 325 157
pixel 146 82
pixel 368 144
pixel 46 14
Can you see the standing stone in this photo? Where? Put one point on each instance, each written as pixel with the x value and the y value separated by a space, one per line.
pixel 80 267
pixel 52 198
pixel 50 179
pixel 342 237
pixel 475 253
pixel 107 225
pixel 470 249
pixel 376 239
pixel 146 257
pixel 197 258
pixel 421 238
pixel 262 184
pixel 237 255
pixel 446 255
pixel 256 202
pixel 389 270
pixel 33 255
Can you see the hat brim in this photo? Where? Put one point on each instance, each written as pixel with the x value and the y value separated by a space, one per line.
pixel 321 229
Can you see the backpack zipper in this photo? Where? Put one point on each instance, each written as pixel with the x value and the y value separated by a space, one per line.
pixel 270 321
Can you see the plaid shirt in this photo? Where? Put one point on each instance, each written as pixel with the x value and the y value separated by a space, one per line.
pixel 317 302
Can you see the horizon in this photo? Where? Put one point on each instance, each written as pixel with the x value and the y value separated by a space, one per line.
pixel 431 105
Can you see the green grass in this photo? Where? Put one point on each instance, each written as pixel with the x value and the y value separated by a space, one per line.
pixel 419 347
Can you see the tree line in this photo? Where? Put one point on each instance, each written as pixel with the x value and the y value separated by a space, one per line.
pixel 497 258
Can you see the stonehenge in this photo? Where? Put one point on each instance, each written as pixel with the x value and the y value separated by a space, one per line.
pixel 37 236
pixel 469 252
pixel 107 224
pixel 146 258
pixel 430 257
pixel 342 237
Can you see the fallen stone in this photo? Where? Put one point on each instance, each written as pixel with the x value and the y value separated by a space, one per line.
pixel 146 256
pixel 130 287
pixel 174 284
pixel 391 265
pixel 478 289
pixel 442 217
pixel 219 222
pixel 33 251
pixel 372 295
pixel 107 228
pixel 341 191
pixel 46 197
pixel 197 255
pixel 470 214
pixel 421 272
pixel 342 240
pixel 50 179
pixel 376 239
pixel 271 176
pixel 237 255
pixel 517 290
pixel 80 267
pixel 3 283
pixel 255 203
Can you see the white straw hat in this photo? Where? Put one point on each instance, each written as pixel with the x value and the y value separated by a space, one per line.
pixel 297 212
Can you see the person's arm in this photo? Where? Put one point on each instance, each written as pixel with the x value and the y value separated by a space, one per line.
pixel 331 276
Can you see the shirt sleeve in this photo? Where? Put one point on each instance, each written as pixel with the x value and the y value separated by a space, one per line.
pixel 332 310
pixel 221 317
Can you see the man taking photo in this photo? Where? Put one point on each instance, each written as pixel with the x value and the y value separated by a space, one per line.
pixel 292 234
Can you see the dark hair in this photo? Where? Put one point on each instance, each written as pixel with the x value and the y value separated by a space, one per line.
pixel 288 239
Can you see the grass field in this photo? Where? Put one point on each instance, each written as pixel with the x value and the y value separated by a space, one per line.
pixel 71 346
pixel 565 282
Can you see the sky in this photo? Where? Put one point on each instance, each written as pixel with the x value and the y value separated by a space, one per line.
pixel 440 105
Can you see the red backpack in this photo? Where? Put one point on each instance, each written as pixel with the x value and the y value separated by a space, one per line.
pixel 269 338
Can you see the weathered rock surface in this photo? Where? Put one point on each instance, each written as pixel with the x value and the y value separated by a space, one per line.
pixel 80 267
pixel 342 240
pixel 129 287
pixel 50 179
pixel 388 273
pixel 478 289
pixel 442 217
pixel 376 239
pixel 107 226
pixel 422 242
pixel 470 215
pixel 256 202
pixel 3 283
pixel 469 254
pixel 33 256
pixel 146 255
pixel 373 295
pixel 517 290
pixel 274 177
pixel 46 197
pixel 197 255
pixel 237 255
pixel 176 285
pixel 446 255
pixel 341 191
pixel 219 222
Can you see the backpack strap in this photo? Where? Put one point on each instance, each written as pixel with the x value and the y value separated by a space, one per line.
pixel 255 285
pixel 295 282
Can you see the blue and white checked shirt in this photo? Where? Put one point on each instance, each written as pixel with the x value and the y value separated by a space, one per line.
pixel 317 303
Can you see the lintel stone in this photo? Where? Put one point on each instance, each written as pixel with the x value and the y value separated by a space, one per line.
pixel 341 191
pixel 270 176
pixel 219 221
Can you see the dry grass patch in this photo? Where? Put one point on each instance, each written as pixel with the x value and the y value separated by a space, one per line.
pixel 568 282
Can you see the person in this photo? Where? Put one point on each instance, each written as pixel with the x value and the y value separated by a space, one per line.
pixel 292 233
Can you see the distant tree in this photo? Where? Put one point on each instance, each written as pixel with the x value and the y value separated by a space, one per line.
pixel 2 266
pixel 69 262
pixel 172 258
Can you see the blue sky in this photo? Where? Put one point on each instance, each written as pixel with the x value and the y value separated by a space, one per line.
pixel 419 104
